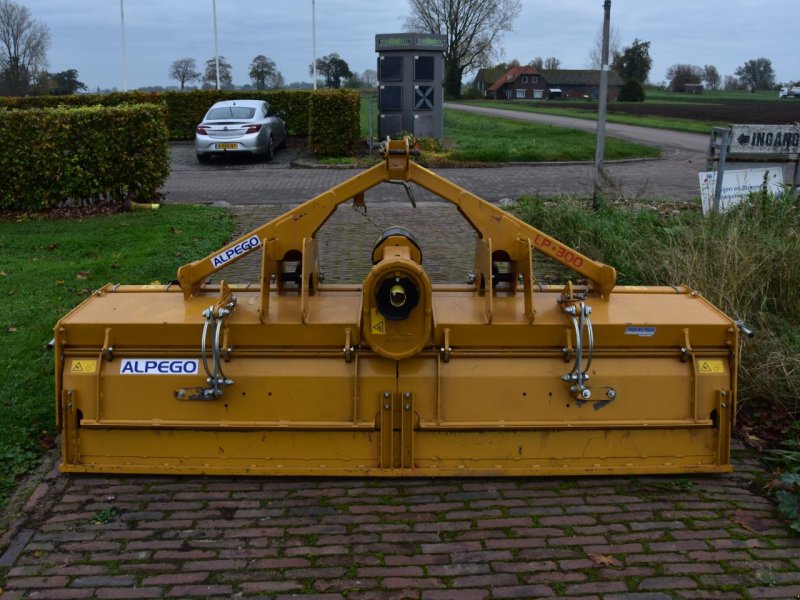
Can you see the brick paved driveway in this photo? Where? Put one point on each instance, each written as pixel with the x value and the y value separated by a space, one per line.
pixel 648 538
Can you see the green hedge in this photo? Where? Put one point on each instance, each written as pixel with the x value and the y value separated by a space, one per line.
pixel 85 154
pixel 332 129
pixel 333 124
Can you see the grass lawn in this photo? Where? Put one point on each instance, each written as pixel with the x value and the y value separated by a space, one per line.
pixel 49 266
pixel 476 138
pixel 687 125
pixel 711 96
pixel 488 139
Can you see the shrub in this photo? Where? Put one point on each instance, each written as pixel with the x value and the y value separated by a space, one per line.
pixel 85 155
pixel 184 110
pixel 632 91
pixel 333 124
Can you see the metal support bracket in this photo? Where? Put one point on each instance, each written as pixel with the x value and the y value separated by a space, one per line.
pixel 216 379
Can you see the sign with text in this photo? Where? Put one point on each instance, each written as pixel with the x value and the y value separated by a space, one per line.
pixel 765 139
pixel 738 185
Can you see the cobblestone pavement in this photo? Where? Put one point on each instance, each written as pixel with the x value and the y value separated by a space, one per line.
pixel 252 182
pixel 645 538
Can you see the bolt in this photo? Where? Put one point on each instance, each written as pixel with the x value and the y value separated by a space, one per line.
pixel 386 406
pixel 611 393
pixel 407 395
pixel 408 407
pixel 385 394
pixel 724 405
pixel 180 394
pixel 586 394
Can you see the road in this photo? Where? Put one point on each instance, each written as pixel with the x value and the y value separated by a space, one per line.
pixel 257 183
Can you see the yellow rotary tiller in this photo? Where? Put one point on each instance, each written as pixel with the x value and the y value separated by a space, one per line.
pixel 396 377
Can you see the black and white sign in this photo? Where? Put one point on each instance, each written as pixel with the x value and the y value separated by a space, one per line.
pixel 765 139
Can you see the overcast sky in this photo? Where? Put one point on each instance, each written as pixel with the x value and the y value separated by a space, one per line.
pixel 86 34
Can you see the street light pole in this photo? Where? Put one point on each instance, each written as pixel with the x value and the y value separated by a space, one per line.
pixel 314 41
pixel 601 111
pixel 216 45
pixel 124 53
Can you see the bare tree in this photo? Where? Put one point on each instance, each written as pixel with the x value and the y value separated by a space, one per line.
pixel 681 74
pixel 711 77
pixel 370 78
pixel 756 74
pixel 595 59
pixel 333 68
pixel 23 48
pixel 225 77
pixel 552 64
pixel 262 72
pixel 537 63
pixel 183 70
pixel 473 29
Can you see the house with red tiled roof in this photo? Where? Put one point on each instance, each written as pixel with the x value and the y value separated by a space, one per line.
pixel 526 83
pixel 518 83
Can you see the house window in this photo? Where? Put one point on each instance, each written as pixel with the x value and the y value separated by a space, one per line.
pixel 524 79
pixel 520 93
pixel 534 78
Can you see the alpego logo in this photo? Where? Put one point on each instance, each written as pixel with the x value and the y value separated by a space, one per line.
pixel 159 366
pixel 244 247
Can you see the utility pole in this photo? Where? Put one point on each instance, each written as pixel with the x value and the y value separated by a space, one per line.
pixel 314 40
pixel 216 45
pixel 124 53
pixel 599 154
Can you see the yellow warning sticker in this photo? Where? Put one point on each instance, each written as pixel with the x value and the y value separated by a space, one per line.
pixel 83 366
pixel 377 322
pixel 711 366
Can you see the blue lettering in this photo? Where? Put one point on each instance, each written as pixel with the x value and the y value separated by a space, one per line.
pixel 174 366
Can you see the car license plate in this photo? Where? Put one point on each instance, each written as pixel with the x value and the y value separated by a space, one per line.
pixel 227 146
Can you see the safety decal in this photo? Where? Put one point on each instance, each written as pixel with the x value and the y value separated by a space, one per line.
pixel 377 322
pixel 710 366
pixel 82 367
pixel 239 249
pixel 159 366
pixel 640 331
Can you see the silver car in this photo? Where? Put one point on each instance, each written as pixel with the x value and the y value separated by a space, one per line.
pixel 241 127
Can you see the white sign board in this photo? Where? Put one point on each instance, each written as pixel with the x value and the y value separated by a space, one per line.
pixel 765 139
pixel 737 186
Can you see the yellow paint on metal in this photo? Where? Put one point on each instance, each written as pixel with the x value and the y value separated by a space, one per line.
pixel 377 322
pixel 396 377
pixel 83 367
pixel 707 367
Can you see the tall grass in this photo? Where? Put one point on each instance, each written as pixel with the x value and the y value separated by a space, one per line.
pixel 746 262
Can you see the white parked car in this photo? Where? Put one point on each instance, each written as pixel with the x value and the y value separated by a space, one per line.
pixel 789 92
pixel 240 127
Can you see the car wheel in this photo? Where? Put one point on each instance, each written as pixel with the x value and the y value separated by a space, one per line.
pixel 270 150
pixel 203 158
